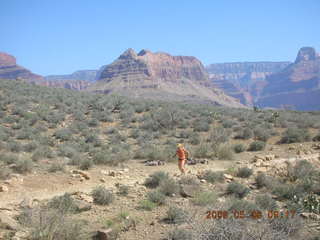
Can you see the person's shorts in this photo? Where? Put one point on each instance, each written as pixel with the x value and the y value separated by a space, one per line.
pixel 182 160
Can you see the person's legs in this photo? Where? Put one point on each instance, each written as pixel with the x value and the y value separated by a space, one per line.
pixel 181 165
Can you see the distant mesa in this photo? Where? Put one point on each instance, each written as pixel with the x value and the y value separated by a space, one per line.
pixel 160 75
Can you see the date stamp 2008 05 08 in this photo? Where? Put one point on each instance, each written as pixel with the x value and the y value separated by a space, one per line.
pixel 255 214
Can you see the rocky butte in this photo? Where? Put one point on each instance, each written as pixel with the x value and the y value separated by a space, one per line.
pixel 162 76
pixel 297 86
pixel 10 70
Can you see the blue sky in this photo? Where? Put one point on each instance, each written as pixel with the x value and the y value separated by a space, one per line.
pixel 61 36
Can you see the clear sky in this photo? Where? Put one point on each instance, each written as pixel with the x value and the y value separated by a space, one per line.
pixel 61 36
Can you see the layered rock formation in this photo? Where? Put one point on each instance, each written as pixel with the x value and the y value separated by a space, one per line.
pixel 243 80
pixel 160 75
pixel 298 85
pixel 10 70
pixel 78 80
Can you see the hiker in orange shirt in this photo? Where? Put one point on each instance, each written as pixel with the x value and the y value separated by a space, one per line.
pixel 182 154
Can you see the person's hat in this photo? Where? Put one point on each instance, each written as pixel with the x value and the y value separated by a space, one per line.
pixel 179 145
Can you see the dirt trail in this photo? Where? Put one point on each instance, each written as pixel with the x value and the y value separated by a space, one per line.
pixel 41 186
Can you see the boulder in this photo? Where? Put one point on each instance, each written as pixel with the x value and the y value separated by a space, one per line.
pixel 103 234
pixel 7 222
pixel 82 206
pixel 81 173
pixel 228 176
pixel 4 188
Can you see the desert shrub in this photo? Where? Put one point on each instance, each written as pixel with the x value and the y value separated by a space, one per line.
pixel 155 179
pixel 204 198
pixel 135 133
pixel 228 123
pixel 179 234
pixel 194 138
pixel 262 180
pixel 218 135
pixel 203 151
pixel 14 146
pixel 257 146
pixel 213 177
pixel 42 152
pixel 93 139
pixel 64 203
pixel 244 172
pixel 4 173
pixel 146 205
pixel 124 190
pixel 8 158
pixel 157 197
pixel 64 134
pixel 30 147
pixel 242 205
pixel 168 186
pixel 102 196
pixel 103 157
pixel 237 189
pixel 284 191
pixel 290 226
pixel 293 135
pixel 238 148
pixel 23 134
pixel 57 167
pixel 316 138
pixel 245 133
pixel 189 180
pixel 176 215
pixel 67 151
pixel 24 165
pixel 261 134
pixel 47 223
pixel 264 201
pixel 93 122
pixel 201 125
pixel 301 170
pixel 85 164
pixel 225 152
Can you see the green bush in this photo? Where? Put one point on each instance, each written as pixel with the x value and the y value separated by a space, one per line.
pixel 64 203
pixel 257 146
pixel 124 190
pixel 63 134
pixel 168 187
pixel 41 153
pixel 237 189
pixel 57 167
pixel 155 179
pixel 85 164
pixel 225 153
pixel 8 158
pixel 30 147
pixel 176 215
pixel 189 180
pixel 238 148
pixel 294 135
pixel 147 205
pixel 204 198
pixel 24 165
pixel 266 202
pixel 246 133
pixel 157 197
pixel 213 177
pixel 244 172
pixel 284 191
pixel 262 180
pixel 102 196
pixel 14 146
pixel 4 173
pixel 203 151
pixel 261 134
pixel 302 169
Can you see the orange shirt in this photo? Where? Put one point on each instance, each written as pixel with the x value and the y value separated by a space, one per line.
pixel 181 152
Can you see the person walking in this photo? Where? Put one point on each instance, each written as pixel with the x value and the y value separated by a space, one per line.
pixel 182 154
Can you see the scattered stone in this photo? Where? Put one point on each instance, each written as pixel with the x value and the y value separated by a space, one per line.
pixel 103 234
pixel 102 180
pixel 228 176
pixel 189 190
pixel 154 163
pixel 21 235
pixel 4 188
pixel 83 196
pixel 82 206
pixel 8 222
pixel 82 173
pixel 104 172
pixel 203 181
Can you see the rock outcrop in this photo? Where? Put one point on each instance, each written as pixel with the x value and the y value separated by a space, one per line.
pixel 160 75
pixel 243 80
pixel 10 70
pixel 297 86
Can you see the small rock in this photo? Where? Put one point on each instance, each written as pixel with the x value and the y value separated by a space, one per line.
pixel 104 172
pixel 203 181
pixel 312 216
pixel 8 222
pixel 82 173
pixel 228 176
pixel 4 188
pixel 152 223
pixel 102 180
pixel 112 173
pixel 103 234
pixel 82 206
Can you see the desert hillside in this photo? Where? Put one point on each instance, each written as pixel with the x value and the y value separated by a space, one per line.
pixel 81 165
